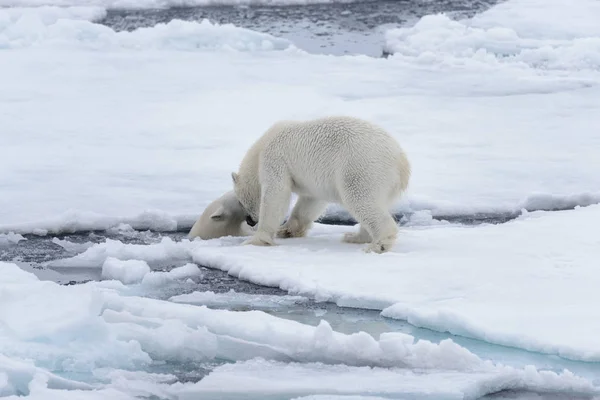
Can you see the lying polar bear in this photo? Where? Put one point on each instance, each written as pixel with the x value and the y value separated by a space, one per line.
pixel 223 217
pixel 341 160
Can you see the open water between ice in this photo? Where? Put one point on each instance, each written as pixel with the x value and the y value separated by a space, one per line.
pixel 216 289
pixel 330 28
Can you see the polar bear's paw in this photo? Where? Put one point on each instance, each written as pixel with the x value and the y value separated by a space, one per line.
pixel 380 246
pixel 356 237
pixel 293 229
pixel 287 232
pixel 259 240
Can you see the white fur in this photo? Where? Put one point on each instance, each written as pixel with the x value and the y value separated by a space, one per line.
pixel 341 160
pixel 223 217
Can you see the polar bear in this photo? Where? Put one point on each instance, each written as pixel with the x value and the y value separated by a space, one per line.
pixel 337 159
pixel 223 217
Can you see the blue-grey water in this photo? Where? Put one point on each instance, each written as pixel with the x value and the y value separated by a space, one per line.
pixel 333 28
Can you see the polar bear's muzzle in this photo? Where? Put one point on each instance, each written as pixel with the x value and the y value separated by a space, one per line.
pixel 250 221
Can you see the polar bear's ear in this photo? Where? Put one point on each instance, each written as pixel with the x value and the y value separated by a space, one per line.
pixel 234 177
pixel 218 215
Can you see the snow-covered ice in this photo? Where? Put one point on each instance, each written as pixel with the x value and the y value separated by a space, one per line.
pixel 108 330
pixel 71 27
pixel 508 34
pixel 128 271
pixel 482 137
pixel 113 131
pixel 511 284
pixel 261 379
pixel 10 238
pixel 160 278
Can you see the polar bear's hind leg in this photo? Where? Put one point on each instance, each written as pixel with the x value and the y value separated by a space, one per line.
pixel 374 218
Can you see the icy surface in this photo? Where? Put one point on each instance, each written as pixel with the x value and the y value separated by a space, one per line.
pixel 510 284
pixel 141 130
pixel 50 27
pixel 562 37
pixel 262 378
pixel 108 337
pixel 484 135
pixel 129 271
pixel 159 278
pixel 232 299
pixel 7 239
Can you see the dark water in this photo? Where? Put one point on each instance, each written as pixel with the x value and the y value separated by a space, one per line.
pixel 335 28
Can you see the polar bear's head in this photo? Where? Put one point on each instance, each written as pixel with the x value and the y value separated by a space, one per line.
pixel 223 217
pixel 247 192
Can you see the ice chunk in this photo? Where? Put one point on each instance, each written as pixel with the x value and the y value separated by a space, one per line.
pixel 10 238
pixel 16 376
pixel 32 29
pixel 167 250
pixel 232 299
pixel 159 278
pixel 513 32
pixel 72 247
pixel 261 378
pixel 76 221
pixel 128 271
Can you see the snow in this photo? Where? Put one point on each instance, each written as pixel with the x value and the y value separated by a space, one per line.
pixel 189 114
pixel 446 277
pixel 130 271
pixel 141 130
pixel 109 336
pixel 38 27
pixel 510 284
pixel 155 254
pixel 511 33
pixel 47 15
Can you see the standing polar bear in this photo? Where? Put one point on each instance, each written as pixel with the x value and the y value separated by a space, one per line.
pixel 341 160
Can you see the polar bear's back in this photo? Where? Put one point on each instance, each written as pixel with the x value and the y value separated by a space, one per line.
pixel 321 153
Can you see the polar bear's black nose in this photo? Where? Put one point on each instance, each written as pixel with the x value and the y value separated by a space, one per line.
pixel 250 221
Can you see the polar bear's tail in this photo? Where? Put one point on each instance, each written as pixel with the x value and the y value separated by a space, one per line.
pixel 404 170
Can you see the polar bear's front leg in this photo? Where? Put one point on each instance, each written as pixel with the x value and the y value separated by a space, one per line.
pixel 362 236
pixel 305 212
pixel 275 199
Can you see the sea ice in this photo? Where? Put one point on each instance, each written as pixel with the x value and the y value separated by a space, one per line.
pixel 10 238
pixel 498 114
pixel 493 139
pixel 129 271
pixel 232 299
